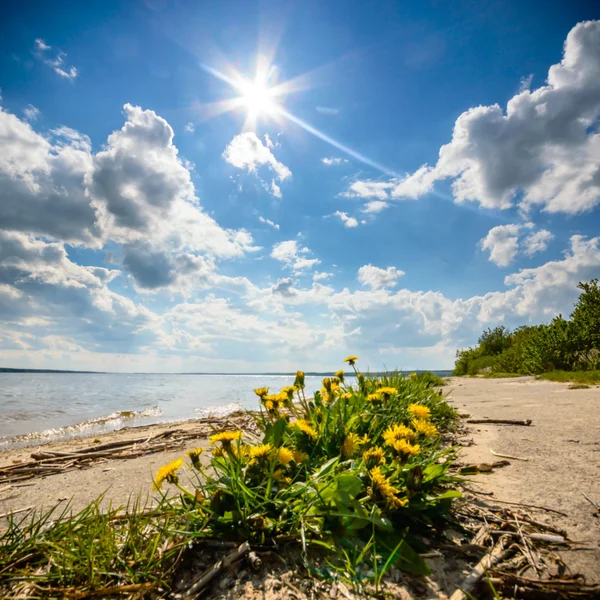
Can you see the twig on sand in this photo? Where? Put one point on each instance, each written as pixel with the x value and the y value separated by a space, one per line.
pixel 592 502
pixel 508 456
pixel 16 512
pixel 525 422
pixel 529 554
pixel 552 510
pixel 201 582
pixel 497 555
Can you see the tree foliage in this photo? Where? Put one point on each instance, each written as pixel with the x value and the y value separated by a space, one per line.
pixel 563 344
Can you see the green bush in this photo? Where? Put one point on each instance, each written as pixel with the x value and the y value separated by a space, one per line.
pixel 562 344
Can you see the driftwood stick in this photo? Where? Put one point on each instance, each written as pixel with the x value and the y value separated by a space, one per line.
pixel 497 555
pixel 592 502
pixel 552 510
pixel 16 512
pixel 525 422
pixel 508 456
pixel 206 577
pixel 536 537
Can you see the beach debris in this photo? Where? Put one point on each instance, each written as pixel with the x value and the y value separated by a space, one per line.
pixel 508 456
pixel 52 462
pixel 205 578
pixel 593 503
pixel 523 422
pixel 482 467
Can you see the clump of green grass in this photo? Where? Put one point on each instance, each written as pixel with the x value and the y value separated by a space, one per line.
pixel 585 377
pixel 429 379
pixel 579 386
pixel 358 473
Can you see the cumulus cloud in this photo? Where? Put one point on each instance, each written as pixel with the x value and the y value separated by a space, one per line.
pixel 348 222
pixel 504 242
pixel 54 59
pixel 374 207
pixel 543 150
pixel 333 161
pixel 369 189
pixel 284 287
pixel 275 189
pixel 377 278
pixel 321 275
pixel 190 128
pixel 247 152
pixel 42 182
pixel 293 256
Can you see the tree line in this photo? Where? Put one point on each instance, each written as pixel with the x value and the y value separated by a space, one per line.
pixel 571 344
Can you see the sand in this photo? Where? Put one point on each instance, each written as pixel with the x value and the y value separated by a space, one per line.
pixel 562 447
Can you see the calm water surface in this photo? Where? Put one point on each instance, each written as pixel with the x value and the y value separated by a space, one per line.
pixel 39 406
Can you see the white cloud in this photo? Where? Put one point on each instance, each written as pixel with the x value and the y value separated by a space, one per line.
pixel 268 141
pixel 190 128
pixel 348 222
pixel 375 206
pixel 31 112
pixel 275 189
pixel 56 61
pixel 332 161
pixel 377 278
pixel 369 189
pixel 294 256
pixel 537 242
pixel 246 151
pixel 504 242
pixel 269 222
pixel 320 276
pixel 544 150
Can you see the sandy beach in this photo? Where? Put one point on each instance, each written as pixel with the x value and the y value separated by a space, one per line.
pixel 555 460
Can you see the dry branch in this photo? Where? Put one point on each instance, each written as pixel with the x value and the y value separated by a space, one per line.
pixel 508 456
pixel 497 555
pixel 201 582
pixel 525 422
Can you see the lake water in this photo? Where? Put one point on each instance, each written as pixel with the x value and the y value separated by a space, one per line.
pixel 35 407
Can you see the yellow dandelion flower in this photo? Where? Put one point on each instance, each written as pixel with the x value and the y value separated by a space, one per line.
pixel 285 455
pixel 405 447
pixel 299 382
pixel 397 432
pixel 226 437
pixel 347 395
pixel 299 456
pixel 279 475
pixel 168 473
pixel 419 411
pixel 340 374
pixel 425 427
pixel 351 360
pixel 289 391
pixel 374 456
pixel 326 383
pixel 374 397
pixel 351 445
pixel 260 453
pixel 412 375
pixel 305 427
pixel 383 486
pixel 261 392
pixel 195 456
pixel 388 391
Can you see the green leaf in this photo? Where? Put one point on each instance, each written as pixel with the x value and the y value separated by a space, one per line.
pixel 274 432
pixel 408 560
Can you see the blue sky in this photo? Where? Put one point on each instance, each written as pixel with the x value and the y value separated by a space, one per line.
pixel 250 186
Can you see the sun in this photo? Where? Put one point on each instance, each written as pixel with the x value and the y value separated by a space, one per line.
pixel 258 98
